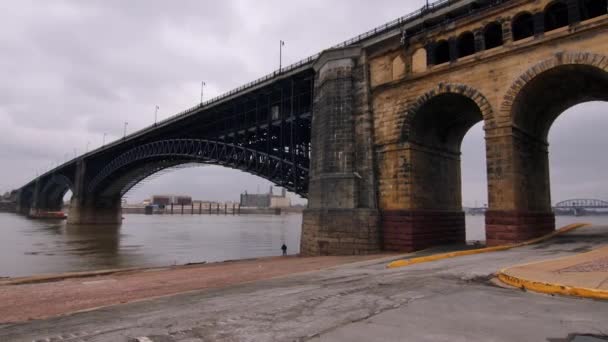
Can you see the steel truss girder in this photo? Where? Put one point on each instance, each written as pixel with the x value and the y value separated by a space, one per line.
pixel 582 203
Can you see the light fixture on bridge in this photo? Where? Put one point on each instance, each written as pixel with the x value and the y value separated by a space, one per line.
pixel 156 114
pixel 281 44
pixel 125 130
pixel 203 84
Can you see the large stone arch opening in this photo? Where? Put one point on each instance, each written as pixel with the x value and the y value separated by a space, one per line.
pixel 435 126
pixel 520 196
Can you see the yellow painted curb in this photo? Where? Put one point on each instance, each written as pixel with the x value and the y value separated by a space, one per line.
pixel 552 289
pixel 408 262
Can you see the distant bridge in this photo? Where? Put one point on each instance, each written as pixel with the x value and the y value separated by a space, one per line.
pixel 582 203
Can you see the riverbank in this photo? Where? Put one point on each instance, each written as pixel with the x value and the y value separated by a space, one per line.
pixel 40 297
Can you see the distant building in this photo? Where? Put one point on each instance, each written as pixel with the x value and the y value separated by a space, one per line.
pixel 183 200
pixel 280 201
pixel 268 200
pixel 165 200
pixel 255 200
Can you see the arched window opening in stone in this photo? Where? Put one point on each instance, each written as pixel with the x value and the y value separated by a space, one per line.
pixel 493 35
pixel 522 26
pixel 556 16
pixel 593 8
pixel 442 52
pixel 466 44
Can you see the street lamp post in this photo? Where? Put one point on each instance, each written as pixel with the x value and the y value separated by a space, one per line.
pixel 103 142
pixel 87 149
pixel 281 44
pixel 203 84
pixel 125 130
pixel 156 114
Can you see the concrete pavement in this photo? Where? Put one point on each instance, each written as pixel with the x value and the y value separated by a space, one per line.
pixel 447 300
pixel 41 297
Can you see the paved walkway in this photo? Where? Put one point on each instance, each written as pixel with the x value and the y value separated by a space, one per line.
pixel 582 271
pixel 19 303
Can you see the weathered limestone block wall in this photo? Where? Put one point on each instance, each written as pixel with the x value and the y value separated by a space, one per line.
pixel 416 188
pixel 342 216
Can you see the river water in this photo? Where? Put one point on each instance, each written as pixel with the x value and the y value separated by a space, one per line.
pixel 31 247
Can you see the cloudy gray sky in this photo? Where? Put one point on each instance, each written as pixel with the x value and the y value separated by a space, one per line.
pixel 74 70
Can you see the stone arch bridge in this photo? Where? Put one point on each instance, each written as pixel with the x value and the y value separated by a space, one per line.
pixel 370 130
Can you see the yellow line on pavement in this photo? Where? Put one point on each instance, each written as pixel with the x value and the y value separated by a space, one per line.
pixel 408 262
pixel 552 289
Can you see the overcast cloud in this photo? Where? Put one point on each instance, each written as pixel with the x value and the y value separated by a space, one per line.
pixel 74 70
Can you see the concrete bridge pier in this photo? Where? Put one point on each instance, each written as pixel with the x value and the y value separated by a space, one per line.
pixel 87 212
pixel 34 207
pixel 342 217
pixel 85 209
pixel 22 206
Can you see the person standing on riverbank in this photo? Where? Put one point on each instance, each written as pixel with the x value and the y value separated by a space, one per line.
pixel 284 249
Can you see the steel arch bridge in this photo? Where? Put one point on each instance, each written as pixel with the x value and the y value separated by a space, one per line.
pixel 582 203
pixel 291 173
pixel 265 131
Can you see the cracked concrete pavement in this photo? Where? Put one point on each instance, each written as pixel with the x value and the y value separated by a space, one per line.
pixel 447 300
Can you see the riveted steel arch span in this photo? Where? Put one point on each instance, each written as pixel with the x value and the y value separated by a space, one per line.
pixel 291 173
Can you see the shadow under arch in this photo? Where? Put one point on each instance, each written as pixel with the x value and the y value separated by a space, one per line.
pixel 434 127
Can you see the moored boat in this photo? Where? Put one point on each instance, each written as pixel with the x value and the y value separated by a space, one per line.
pixel 52 215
